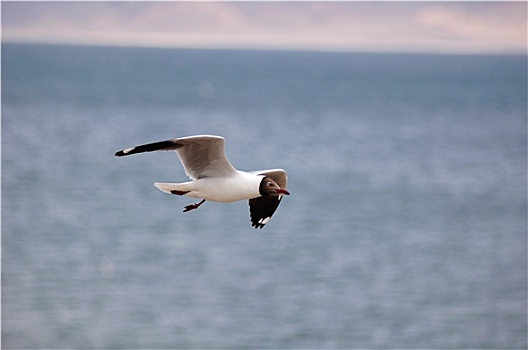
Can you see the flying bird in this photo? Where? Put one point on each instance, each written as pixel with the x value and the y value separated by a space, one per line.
pixel 215 179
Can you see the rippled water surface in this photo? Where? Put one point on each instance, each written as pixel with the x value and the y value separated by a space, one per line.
pixel 406 227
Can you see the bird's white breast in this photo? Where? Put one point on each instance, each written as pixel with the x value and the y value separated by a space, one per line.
pixel 241 186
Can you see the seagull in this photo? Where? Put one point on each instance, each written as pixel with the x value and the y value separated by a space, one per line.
pixel 215 179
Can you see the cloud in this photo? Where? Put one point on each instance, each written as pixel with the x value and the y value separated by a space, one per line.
pixel 343 26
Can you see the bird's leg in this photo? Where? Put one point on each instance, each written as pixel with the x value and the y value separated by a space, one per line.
pixel 193 206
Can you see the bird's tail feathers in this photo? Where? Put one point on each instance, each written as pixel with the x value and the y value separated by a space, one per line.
pixel 171 188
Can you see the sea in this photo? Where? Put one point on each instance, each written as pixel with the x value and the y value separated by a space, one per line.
pixel 406 227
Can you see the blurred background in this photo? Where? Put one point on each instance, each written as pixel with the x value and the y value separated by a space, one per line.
pixel 402 127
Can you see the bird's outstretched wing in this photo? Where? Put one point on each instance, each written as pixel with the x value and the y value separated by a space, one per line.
pixel 201 156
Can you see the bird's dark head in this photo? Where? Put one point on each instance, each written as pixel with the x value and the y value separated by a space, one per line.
pixel 270 187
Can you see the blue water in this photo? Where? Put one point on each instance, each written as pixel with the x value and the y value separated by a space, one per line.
pixel 406 227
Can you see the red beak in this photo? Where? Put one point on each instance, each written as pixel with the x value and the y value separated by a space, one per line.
pixel 283 191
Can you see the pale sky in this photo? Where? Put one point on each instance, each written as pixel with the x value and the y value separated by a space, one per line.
pixel 427 27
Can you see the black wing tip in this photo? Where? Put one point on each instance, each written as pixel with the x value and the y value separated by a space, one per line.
pixel 262 208
pixel 125 152
pixel 169 145
pixel 260 223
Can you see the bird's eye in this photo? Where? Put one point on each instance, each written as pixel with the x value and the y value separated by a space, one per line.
pixel 269 184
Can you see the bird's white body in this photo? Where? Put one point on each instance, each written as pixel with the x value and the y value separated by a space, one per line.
pixel 240 186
